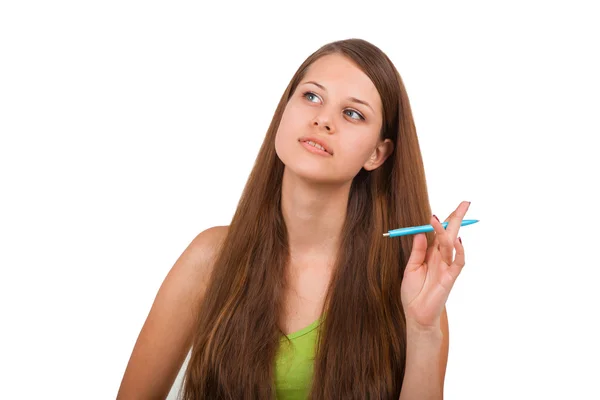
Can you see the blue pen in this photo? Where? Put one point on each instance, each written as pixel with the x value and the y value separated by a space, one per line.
pixel 423 228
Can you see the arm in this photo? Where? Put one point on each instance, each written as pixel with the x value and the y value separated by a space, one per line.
pixel 165 338
pixel 426 359
pixel 428 278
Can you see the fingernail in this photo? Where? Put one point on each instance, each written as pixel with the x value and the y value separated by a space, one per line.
pixel 460 240
pixel 436 218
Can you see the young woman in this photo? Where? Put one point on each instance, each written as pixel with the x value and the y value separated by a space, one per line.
pixel 301 296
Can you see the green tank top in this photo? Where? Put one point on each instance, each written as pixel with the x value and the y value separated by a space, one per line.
pixel 294 363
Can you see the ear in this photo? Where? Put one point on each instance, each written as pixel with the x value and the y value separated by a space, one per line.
pixel 379 155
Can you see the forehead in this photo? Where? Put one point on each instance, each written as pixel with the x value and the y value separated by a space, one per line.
pixel 341 75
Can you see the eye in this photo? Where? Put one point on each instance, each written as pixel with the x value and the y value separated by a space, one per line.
pixel 310 96
pixel 350 111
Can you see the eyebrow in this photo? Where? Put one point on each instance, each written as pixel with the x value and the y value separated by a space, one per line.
pixel 353 99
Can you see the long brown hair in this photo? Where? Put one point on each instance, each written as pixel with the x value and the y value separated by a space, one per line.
pixel 362 341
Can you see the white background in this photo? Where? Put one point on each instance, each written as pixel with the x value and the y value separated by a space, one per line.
pixel 129 127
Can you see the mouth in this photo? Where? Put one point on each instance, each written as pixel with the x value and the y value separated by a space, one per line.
pixel 315 143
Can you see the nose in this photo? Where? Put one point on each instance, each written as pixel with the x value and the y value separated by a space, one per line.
pixel 322 121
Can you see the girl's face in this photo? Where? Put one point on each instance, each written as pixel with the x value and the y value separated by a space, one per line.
pixel 331 124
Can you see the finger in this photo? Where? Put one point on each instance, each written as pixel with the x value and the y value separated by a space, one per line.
pixel 445 246
pixel 417 254
pixel 459 260
pixel 436 242
pixel 455 219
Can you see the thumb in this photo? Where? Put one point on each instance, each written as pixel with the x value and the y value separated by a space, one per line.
pixel 417 254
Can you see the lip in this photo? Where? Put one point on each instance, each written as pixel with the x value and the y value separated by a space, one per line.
pixel 318 141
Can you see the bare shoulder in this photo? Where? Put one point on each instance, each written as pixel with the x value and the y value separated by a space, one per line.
pixel 202 251
pixel 165 337
pixel 209 240
pixel 190 274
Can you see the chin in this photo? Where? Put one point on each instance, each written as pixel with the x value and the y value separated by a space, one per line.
pixel 317 177
pixel 312 172
pixel 310 167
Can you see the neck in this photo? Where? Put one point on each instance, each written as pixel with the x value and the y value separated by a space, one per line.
pixel 314 215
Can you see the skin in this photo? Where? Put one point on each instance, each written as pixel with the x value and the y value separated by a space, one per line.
pixel 315 189
pixel 314 196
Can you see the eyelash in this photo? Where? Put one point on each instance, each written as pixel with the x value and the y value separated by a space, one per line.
pixel 349 109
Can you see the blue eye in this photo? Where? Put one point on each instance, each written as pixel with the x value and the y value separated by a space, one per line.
pixel 307 95
pixel 355 112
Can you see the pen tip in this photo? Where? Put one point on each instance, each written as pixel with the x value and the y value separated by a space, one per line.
pixel 386 234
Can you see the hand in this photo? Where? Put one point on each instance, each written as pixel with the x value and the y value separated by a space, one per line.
pixel 430 272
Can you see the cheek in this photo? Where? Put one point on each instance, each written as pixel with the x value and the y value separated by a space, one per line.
pixel 290 125
pixel 291 118
pixel 285 131
pixel 359 147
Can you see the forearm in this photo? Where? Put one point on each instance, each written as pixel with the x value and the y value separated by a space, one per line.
pixel 422 378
